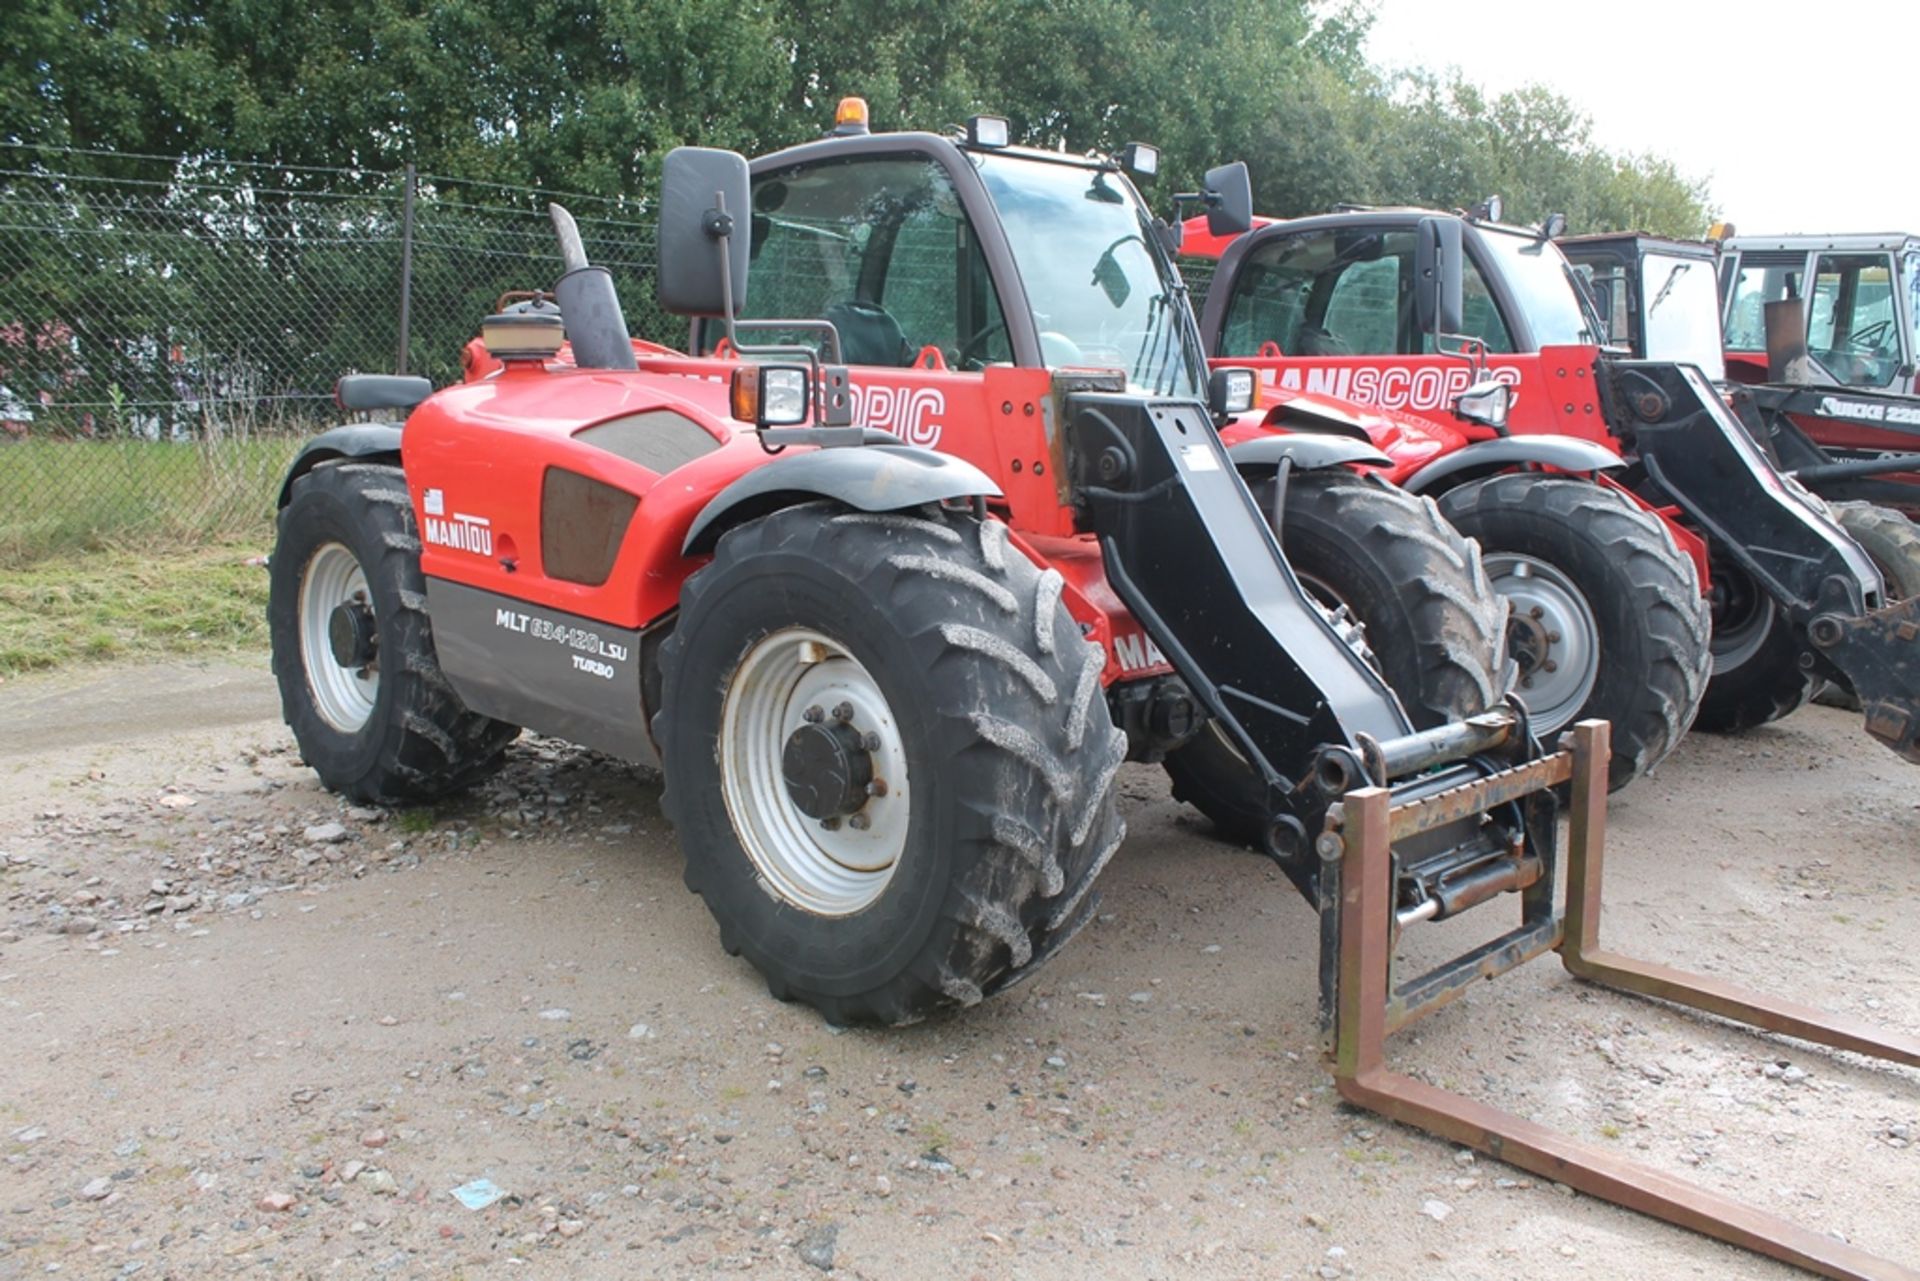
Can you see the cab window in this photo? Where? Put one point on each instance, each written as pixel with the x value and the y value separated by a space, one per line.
pixel 1480 315
pixel 1341 292
pixel 1852 318
pixel 1754 286
pixel 881 248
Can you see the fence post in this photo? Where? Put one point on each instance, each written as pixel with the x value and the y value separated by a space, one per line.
pixel 406 272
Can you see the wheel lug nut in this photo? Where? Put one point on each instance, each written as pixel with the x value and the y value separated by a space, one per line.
pixel 813 716
pixel 1526 682
pixel 859 822
pixel 1549 666
pixel 831 823
pixel 1536 612
pixel 878 787
pixel 1553 638
pixel 870 741
pixel 844 712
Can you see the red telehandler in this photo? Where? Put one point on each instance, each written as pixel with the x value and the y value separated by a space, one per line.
pixel 890 581
pixel 1551 450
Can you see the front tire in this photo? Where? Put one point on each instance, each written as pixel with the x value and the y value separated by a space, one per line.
pixel 1608 620
pixel 1427 619
pixel 360 684
pixel 1892 543
pixel 824 651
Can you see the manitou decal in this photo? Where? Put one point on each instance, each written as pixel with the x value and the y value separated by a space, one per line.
pixel 462 533
pixel 911 413
pixel 1412 387
pixel 1866 411
pixel 1136 652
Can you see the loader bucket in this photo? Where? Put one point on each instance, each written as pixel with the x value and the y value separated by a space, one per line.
pixel 1368 1006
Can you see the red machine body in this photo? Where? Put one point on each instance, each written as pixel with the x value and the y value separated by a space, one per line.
pixel 545 413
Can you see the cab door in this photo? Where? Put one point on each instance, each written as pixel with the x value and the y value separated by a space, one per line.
pixel 1330 310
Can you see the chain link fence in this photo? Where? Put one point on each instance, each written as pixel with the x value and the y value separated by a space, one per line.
pixel 169 334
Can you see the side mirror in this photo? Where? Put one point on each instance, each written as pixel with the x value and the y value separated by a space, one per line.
pixel 1486 402
pixel 1230 391
pixel 1439 301
pixel 704 232
pixel 1229 193
pixel 771 395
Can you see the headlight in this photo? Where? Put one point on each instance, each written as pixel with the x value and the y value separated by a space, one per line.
pixel 1487 403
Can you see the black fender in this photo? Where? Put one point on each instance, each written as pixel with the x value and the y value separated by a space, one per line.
pixel 1309 452
pixel 868 478
pixel 1569 453
pixel 355 440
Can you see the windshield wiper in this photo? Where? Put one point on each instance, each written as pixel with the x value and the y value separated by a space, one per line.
pixel 1150 340
pixel 1673 278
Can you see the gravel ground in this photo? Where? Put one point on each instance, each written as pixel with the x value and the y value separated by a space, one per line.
pixel 249 1028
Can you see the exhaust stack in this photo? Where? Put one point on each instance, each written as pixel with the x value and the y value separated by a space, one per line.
pixel 596 326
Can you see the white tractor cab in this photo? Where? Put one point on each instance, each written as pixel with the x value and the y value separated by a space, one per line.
pixel 1657 296
pixel 1855 305
pixel 1833 402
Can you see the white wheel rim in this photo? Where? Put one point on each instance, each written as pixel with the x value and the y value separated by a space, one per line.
pixel 1736 640
pixel 788 680
pixel 1552 633
pixel 342 695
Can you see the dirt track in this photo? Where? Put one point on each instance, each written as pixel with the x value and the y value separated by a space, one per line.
pixel 239 1009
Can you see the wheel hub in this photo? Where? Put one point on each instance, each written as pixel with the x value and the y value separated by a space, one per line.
pixel 1743 616
pixel 814 772
pixel 339 638
pixel 1530 641
pixel 1552 637
pixel 351 634
pixel 827 769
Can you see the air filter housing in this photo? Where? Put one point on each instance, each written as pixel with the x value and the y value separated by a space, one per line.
pixel 525 331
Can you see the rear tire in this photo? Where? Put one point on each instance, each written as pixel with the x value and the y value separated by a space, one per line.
pixel 1431 623
pixel 1757 676
pixel 1891 542
pixel 386 728
pixel 963 676
pixel 1608 617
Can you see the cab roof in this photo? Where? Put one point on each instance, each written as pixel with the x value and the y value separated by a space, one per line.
pixel 1850 242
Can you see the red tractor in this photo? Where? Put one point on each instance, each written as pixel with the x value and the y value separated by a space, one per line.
pixel 890 684
pixel 938 531
pixel 1584 476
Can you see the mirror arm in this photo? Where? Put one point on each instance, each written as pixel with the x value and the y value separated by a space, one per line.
pixel 718 224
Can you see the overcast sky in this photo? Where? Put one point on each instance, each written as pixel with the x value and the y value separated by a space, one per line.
pixel 1799 116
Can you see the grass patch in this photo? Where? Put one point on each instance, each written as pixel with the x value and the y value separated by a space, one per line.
pixel 61 497
pixel 416 822
pixel 122 603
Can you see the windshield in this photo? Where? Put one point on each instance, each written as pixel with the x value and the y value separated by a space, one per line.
pixel 1682 320
pixel 1543 283
pixel 1102 291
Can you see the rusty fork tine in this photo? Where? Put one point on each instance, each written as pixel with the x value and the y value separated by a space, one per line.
pixel 1365 905
pixel 1581 953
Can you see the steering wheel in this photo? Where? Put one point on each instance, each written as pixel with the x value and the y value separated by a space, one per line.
pixel 1870 338
pixel 973 350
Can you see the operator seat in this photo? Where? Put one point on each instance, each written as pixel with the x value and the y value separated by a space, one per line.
pixel 869 335
pixel 1316 341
